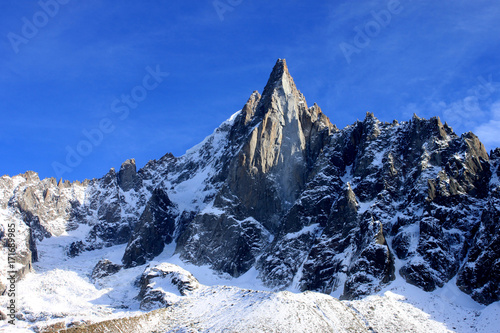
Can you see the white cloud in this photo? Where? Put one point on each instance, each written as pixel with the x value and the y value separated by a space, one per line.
pixel 462 113
pixel 489 132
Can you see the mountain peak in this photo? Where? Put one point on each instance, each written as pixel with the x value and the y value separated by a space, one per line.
pixel 278 77
pixel 280 69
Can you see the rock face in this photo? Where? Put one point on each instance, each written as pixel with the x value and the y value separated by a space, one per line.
pixel 283 140
pixel 127 177
pixel 480 275
pixel 34 209
pixel 155 228
pixel 278 139
pixel 280 189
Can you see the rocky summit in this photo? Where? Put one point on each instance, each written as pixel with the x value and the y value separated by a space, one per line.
pixel 279 189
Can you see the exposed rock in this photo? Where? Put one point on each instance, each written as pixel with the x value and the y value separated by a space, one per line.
pixel 480 275
pixel 76 248
pixel 127 176
pixel 155 229
pixel 105 268
pixel 228 244
pixel 163 284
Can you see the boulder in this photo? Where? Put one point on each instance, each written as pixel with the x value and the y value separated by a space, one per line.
pixel 162 285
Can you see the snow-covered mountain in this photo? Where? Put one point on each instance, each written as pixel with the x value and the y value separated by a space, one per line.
pixel 276 199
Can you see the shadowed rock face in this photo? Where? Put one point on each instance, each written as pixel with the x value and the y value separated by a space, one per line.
pixel 480 274
pixel 127 177
pixel 278 188
pixel 155 228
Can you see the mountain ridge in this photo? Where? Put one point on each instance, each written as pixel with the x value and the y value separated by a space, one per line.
pixel 279 188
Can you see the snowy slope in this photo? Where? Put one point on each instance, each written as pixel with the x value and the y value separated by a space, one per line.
pixel 61 291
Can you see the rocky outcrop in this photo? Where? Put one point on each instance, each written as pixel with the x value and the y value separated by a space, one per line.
pixel 155 228
pixel 31 210
pixel 105 268
pixel 46 206
pixel 127 176
pixel 163 284
pixel 112 208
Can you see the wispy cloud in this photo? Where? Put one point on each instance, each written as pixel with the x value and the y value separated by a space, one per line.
pixel 477 111
pixel 489 132
pixel 464 113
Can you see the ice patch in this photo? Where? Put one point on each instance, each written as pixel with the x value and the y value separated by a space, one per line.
pixel 377 159
pixel 364 206
pixel 347 177
pixel 310 229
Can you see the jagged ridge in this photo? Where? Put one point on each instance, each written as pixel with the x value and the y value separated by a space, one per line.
pixel 279 188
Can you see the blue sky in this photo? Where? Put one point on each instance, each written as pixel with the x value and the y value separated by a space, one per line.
pixel 65 72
